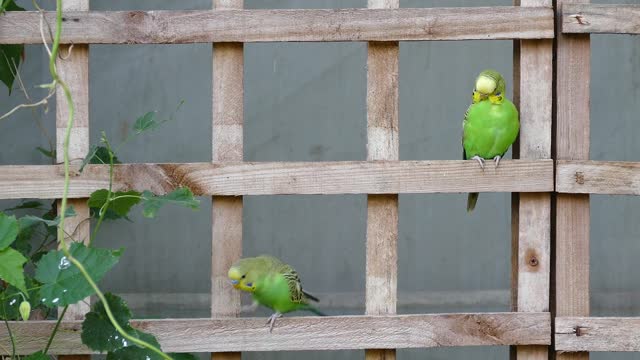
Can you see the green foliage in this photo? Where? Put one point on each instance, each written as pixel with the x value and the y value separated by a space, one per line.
pixel 9 229
pixel 121 201
pixel 31 219
pixel 63 283
pixel 36 205
pixel 181 196
pixel 11 264
pixel 98 333
pixel 146 122
pixel 48 153
pixel 10 54
pixel 37 356
pixel 98 155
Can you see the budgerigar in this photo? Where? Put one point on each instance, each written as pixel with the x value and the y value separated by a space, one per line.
pixel 490 125
pixel 273 284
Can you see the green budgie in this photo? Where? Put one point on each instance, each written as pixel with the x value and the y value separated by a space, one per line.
pixel 273 284
pixel 490 125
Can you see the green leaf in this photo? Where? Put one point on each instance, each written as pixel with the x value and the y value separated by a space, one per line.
pixel 98 155
pixel 182 196
pixel 10 5
pixel 183 356
pixel 27 205
pixel 38 356
pixel 120 206
pixel 10 55
pixel 71 212
pixel 63 284
pixel 48 153
pixel 11 268
pixel 11 298
pixel 98 333
pixel 145 122
pixel 9 229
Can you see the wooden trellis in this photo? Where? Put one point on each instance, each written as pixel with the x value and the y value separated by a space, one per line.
pixel 382 176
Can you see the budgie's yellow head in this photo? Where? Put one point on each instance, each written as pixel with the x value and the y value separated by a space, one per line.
pixel 485 85
pixel 242 275
pixel 490 82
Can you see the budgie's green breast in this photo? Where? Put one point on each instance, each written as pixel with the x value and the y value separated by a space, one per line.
pixel 273 291
pixel 489 129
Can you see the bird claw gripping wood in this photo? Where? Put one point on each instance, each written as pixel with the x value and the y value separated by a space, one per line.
pixel 272 320
pixel 479 160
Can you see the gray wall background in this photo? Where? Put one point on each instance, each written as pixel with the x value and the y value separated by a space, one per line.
pixel 306 101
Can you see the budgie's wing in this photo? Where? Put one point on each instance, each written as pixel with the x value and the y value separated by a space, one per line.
pixel 293 281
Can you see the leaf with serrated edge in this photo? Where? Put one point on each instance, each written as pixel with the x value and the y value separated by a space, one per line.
pixel 62 282
pixel 182 196
pixel 9 229
pixel 98 333
pixel 145 122
pixel 11 268
pixel 120 206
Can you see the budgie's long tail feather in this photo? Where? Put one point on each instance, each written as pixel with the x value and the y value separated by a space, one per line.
pixel 315 311
pixel 310 296
pixel 472 199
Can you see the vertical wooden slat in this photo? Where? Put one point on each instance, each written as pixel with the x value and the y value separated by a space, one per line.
pixel 228 94
pixel 382 210
pixel 73 68
pixel 531 225
pixel 572 143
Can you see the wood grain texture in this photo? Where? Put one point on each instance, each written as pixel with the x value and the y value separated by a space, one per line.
pixel 228 120
pixel 598 177
pixel 535 83
pixel 283 178
pixel 73 68
pixel 602 19
pixel 597 334
pixel 572 96
pixel 306 333
pixel 205 26
pixel 381 291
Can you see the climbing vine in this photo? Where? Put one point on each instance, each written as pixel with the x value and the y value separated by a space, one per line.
pixel 43 267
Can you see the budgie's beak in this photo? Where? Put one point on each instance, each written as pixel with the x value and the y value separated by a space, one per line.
pixel 485 85
pixel 234 277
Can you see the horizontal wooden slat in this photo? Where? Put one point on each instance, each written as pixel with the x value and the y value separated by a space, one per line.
pixel 603 19
pixel 283 178
pixel 206 26
pixel 598 177
pixel 597 334
pixel 306 333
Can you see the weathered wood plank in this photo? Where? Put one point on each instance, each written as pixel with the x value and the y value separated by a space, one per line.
pixel 282 178
pixel 601 19
pixel 228 120
pixel 572 98
pixel 535 82
pixel 598 177
pixel 306 333
pixel 204 26
pixel 73 68
pixel 597 334
pixel 381 295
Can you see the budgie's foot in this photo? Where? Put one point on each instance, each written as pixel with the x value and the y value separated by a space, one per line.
pixel 497 160
pixel 272 320
pixel 479 160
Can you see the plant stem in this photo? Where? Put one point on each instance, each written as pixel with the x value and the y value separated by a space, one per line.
pixel 65 193
pixel 107 309
pixel 55 329
pixel 13 342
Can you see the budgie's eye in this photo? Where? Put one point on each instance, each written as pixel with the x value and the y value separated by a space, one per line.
pixel 244 276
